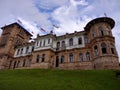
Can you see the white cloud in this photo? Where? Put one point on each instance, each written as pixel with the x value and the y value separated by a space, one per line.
pixel 69 17
pixel 25 9
pixel 78 2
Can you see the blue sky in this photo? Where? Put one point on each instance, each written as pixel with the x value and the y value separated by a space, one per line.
pixel 69 15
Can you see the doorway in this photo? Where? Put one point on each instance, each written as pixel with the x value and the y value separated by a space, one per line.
pixel 57 61
pixel 14 65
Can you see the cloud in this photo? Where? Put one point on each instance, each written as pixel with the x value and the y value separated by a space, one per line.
pixel 69 18
pixel 11 10
pixel 49 4
pixel 78 2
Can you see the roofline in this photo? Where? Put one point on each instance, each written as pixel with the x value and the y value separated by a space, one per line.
pixel 18 25
pixel 60 35
pixel 108 20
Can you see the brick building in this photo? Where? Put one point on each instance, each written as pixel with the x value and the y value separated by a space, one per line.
pixel 93 48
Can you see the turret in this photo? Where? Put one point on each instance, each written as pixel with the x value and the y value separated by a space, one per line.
pixel 102 42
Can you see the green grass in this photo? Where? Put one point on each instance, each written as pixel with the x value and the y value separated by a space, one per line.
pixel 47 79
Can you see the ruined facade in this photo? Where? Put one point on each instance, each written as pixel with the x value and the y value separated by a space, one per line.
pixel 93 48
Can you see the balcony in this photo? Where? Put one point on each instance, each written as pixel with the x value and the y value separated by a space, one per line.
pixel 60 48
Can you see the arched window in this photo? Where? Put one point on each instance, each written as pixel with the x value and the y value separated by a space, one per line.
pixel 37 58
pixel 58 45
pixel 79 40
pixel 96 50
pixel 100 31
pixel 71 42
pixel 71 57
pixel 108 30
pixel 62 59
pixel 63 44
pixel 93 33
pixel 80 57
pixel 88 56
pixel 112 48
pixel 18 64
pixel 103 48
pixel 43 57
pixel 24 61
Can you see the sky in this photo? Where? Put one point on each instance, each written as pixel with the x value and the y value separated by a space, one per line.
pixel 61 16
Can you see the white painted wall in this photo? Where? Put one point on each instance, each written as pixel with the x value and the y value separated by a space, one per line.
pixel 52 44
pixel 24 51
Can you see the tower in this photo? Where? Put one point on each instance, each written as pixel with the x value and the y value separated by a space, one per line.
pixel 102 43
pixel 12 36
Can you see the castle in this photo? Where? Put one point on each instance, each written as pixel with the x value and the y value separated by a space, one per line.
pixel 93 48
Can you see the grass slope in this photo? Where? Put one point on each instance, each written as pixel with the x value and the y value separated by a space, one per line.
pixel 40 79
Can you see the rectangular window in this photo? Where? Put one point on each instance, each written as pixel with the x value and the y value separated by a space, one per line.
pixel 27 49
pixel 3 40
pixel 44 43
pixel 48 41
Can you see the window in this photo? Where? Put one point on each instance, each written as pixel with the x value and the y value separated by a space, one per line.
pixel 62 59
pixel 27 48
pixel 18 64
pixel 58 45
pixel 80 57
pixel 37 43
pixel 96 50
pixel 93 34
pixel 43 57
pixel 108 30
pixel 71 57
pixel 112 48
pixel 24 61
pixel 32 48
pixel 100 31
pixel 63 44
pixel 3 40
pixel 18 51
pixel 37 58
pixel 86 40
pixel 21 51
pixel 103 48
pixel 44 43
pixel 71 42
pixel 48 41
pixel 40 43
pixel 79 40
pixel 88 56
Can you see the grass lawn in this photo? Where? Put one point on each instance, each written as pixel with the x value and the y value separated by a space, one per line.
pixel 50 79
